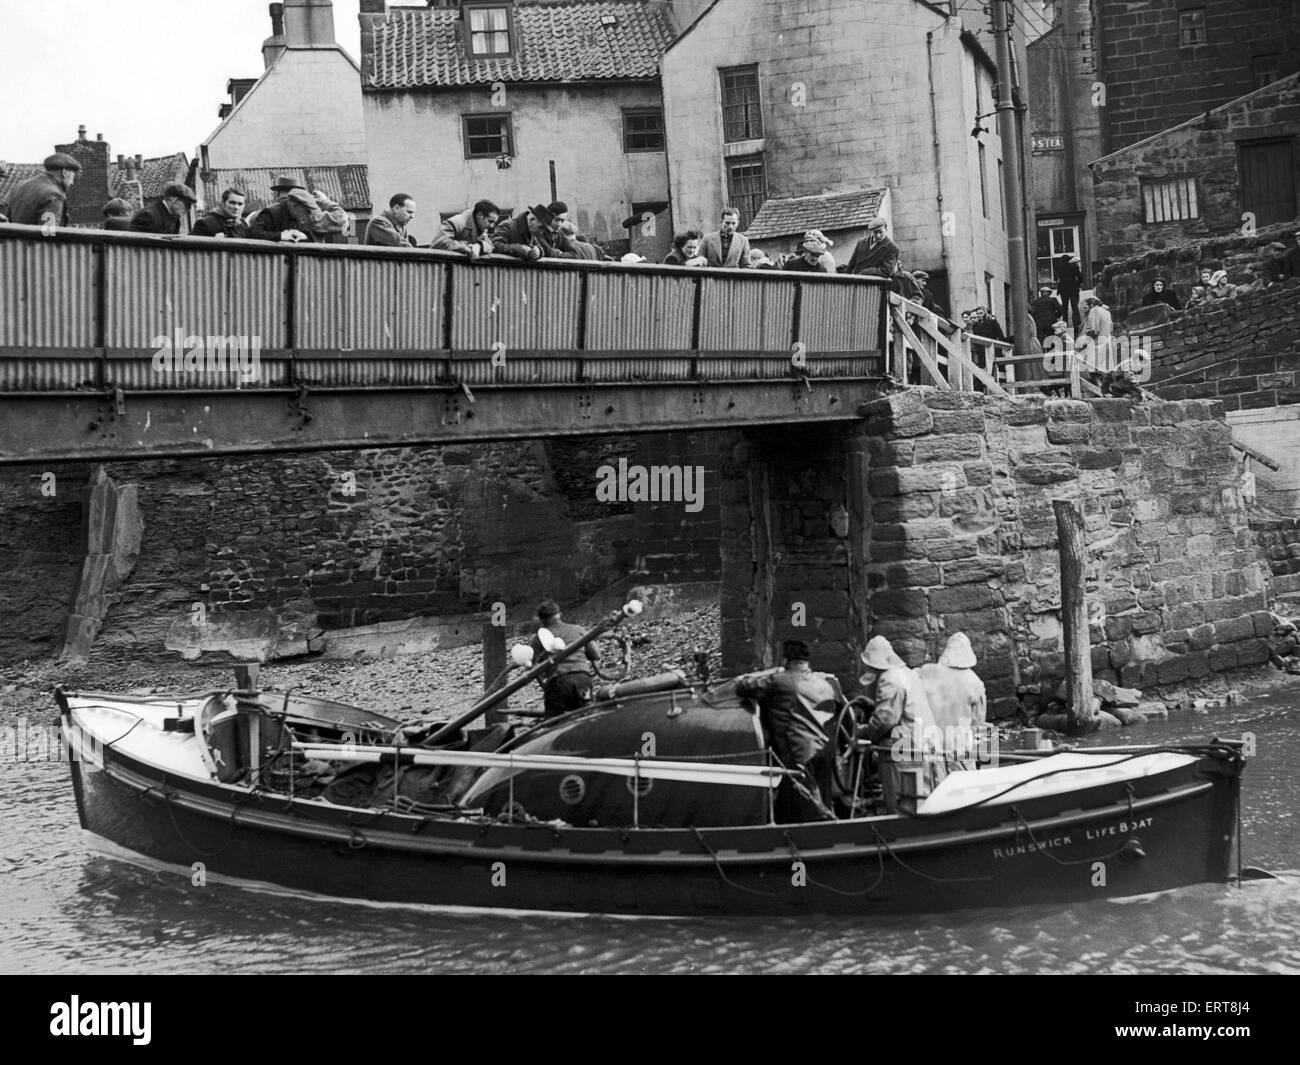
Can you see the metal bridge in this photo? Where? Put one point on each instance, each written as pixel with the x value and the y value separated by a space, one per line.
pixel 366 347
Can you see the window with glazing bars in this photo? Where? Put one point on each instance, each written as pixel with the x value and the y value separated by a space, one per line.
pixel 1191 27
pixel 742 119
pixel 486 136
pixel 643 131
pixel 747 187
pixel 1169 199
pixel 489 31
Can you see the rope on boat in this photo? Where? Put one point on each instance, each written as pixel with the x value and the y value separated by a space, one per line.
pixel 882 842
pixel 717 864
pixel 1061 861
pixel 880 874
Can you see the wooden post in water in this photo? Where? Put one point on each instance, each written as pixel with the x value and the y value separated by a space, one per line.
pixel 1074 610
pixel 494 661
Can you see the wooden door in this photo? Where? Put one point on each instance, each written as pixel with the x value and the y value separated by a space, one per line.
pixel 1268 180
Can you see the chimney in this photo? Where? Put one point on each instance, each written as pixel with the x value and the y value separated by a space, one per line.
pixel 99 136
pixel 273 46
pixel 373 12
pixel 130 169
pixel 121 161
pixel 94 184
pixel 309 24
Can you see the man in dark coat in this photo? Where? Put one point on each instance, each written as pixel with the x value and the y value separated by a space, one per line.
pixel 569 684
pixel 928 299
pixel 1046 311
pixel 793 703
pixel 534 234
pixel 877 255
pixel 43 200
pixel 165 214
pixel 1069 283
pixel 227 220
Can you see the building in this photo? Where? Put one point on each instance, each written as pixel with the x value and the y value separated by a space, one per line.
pixel 522 102
pixel 842 217
pixel 822 98
pixel 1112 73
pixel 1235 168
pixel 302 113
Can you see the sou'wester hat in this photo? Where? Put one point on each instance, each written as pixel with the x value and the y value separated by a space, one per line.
pixel 879 654
pixel 958 654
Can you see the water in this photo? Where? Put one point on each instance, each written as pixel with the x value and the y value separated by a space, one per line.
pixel 66 909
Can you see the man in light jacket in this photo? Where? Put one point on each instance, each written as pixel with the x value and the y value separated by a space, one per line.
pixel 727 248
pixel 389 229
pixel 957 700
pixel 469 232
pixel 903 724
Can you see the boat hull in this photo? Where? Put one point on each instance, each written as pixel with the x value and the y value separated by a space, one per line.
pixel 1163 831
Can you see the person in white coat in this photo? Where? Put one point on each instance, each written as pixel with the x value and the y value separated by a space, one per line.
pixel 957 700
pixel 903 725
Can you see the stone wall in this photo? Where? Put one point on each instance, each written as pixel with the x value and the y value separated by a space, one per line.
pixel 1153 82
pixel 1205 151
pixel 337 539
pixel 935 516
pixel 963 536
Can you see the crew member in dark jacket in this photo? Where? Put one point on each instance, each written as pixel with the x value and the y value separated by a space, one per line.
pixel 165 214
pixel 534 234
pixel 569 684
pixel 793 703
pixel 227 220
pixel 117 215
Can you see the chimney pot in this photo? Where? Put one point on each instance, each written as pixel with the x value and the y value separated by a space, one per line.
pixel 277 20
pixel 99 136
pixel 81 133
pixel 139 162
pixel 121 160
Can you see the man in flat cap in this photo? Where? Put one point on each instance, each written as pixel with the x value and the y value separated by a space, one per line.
pixel 876 255
pixel 568 685
pixel 43 200
pixel 794 703
pixel 164 215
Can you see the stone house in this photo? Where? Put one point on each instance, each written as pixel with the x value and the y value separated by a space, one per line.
pixel 1235 168
pixel 826 97
pixel 304 111
pixel 521 102
pixel 1112 73
pixel 782 221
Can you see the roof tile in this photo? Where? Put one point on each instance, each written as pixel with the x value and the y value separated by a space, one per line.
pixel 842 210
pixel 555 42
pixel 347 185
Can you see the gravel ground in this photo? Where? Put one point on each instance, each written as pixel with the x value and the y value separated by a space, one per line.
pixel 439 684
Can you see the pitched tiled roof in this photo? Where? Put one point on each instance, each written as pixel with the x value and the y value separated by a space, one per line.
pixel 844 210
pixel 154 176
pixel 347 185
pixel 553 42
pixel 14 174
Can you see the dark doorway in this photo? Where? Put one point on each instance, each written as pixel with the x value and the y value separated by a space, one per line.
pixel 1268 180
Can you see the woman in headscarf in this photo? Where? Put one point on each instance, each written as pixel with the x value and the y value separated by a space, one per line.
pixel 903 725
pixel 1160 292
pixel 814 255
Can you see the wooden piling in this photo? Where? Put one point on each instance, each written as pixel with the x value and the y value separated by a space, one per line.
pixel 494 662
pixel 1074 610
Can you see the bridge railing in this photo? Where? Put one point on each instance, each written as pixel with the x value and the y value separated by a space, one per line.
pixel 89 310
pixel 927 349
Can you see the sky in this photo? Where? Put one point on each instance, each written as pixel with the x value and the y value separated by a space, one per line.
pixel 147 74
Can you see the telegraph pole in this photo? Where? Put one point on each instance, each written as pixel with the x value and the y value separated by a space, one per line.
pixel 1012 192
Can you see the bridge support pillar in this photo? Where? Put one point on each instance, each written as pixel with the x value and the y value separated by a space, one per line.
pixel 112 528
pixel 793 547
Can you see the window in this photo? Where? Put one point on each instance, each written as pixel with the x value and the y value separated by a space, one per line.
pixel 1054 241
pixel 643 131
pixel 741 117
pixel 747 186
pixel 487 136
pixel 1191 27
pixel 489 31
pixel 1267 69
pixel 1169 199
pixel 984 185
